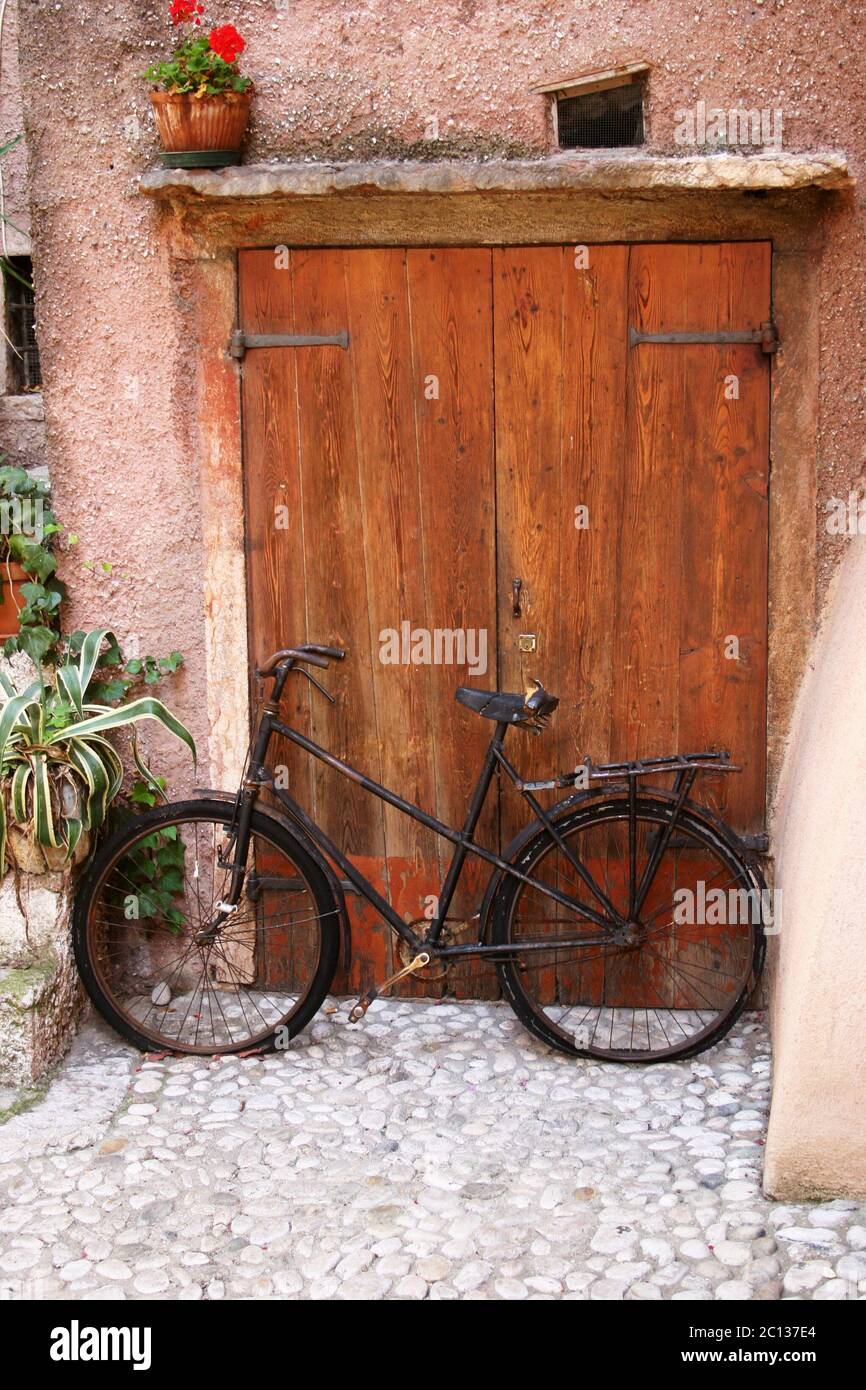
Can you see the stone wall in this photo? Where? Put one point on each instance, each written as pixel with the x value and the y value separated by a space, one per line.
pixel 41 997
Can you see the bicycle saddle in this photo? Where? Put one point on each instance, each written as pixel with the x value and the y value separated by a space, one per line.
pixel 536 704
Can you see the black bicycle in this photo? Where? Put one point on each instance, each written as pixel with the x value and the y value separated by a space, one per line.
pixel 626 921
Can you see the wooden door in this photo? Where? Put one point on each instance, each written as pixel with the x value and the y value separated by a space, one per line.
pixel 370 511
pixel 632 502
pixel 490 421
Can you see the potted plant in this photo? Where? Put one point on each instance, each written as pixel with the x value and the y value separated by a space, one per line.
pixel 29 592
pixel 59 774
pixel 203 103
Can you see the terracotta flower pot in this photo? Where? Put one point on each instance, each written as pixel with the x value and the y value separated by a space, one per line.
pixel 201 132
pixel 12 576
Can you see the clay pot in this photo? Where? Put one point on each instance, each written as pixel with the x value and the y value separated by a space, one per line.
pixel 12 576
pixel 201 132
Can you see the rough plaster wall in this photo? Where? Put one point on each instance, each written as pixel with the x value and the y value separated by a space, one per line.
pixel 816 1143
pixel 339 78
pixel 116 368
pixel 22 429
pixel 14 165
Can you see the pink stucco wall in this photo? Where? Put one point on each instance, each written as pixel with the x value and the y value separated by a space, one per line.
pixel 14 164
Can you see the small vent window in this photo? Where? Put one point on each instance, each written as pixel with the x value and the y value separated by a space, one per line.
pixel 600 110
pixel 601 120
pixel 23 370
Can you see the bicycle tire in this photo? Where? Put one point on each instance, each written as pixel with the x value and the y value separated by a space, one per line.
pixel 516 973
pixel 94 971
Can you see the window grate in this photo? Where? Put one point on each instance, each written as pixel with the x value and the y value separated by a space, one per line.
pixel 601 120
pixel 25 373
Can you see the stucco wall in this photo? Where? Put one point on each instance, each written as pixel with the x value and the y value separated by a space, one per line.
pixel 817 1138
pixel 15 239
pixel 22 428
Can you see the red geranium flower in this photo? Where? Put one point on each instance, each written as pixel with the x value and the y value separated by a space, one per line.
pixel 226 42
pixel 183 11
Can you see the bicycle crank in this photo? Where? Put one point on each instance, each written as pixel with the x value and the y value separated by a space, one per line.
pixel 366 1000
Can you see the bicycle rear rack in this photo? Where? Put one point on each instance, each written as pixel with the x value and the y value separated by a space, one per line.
pixel 678 763
pixel 683 765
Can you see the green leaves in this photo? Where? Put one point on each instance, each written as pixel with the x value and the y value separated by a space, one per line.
pixel 28 525
pixel 196 69
pixel 59 773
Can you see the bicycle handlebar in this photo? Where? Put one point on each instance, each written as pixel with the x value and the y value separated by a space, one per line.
pixel 336 653
pixel 311 653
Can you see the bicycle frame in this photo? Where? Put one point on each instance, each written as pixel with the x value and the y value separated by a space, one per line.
pixel 463 840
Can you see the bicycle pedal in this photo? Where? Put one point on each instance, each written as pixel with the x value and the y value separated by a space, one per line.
pixel 363 1004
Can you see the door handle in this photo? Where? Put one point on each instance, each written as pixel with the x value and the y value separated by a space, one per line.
pixel 516 586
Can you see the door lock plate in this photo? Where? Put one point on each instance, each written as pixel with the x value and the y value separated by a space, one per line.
pixel 527 642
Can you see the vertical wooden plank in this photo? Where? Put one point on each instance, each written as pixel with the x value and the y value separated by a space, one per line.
pixel 723 665
pixel 337 590
pixel 274 524
pixel 528 333
pixel 452 365
pixel 274 543
pixel 646 640
pixel 389 536
pixel 647 631
pixel 594 366
pixel 528 327
pixel 560 320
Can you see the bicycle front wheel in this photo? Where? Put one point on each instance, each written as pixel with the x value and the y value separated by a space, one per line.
pixel 160 972
pixel 651 984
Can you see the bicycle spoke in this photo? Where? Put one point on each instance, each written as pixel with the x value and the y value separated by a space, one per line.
pixel 181 986
pixel 657 986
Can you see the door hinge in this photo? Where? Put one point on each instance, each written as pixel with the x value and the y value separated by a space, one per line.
pixel 241 342
pixel 756 844
pixel 766 337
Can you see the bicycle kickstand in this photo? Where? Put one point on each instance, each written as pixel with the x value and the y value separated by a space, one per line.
pixel 366 1000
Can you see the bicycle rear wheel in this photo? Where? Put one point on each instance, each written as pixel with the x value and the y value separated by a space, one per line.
pixel 153 968
pixel 649 986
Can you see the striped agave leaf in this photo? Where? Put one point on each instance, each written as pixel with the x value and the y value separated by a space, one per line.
pixel 75 676
pixel 146 707
pixel 58 778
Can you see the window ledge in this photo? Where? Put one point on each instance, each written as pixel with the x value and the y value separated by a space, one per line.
pixel 24 405
pixel 603 171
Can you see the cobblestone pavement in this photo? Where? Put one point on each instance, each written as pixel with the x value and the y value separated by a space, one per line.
pixel 434 1152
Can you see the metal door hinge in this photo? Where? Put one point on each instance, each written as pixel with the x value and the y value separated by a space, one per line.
pixel 241 342
pixel 766 337
pixel 756 844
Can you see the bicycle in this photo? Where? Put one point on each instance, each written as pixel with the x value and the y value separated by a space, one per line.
pixel 585 914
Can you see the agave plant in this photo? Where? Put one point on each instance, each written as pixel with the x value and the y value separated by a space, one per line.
pixel 58 772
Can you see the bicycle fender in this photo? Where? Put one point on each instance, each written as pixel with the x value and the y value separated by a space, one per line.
pixel 570 803
pixel 312 849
